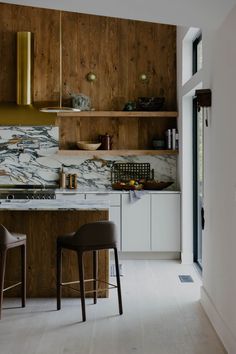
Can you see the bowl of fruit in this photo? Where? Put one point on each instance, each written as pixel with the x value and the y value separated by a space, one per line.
pixel 130 185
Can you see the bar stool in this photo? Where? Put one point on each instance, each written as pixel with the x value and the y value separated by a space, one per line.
pixel 90 237
pixel 10 240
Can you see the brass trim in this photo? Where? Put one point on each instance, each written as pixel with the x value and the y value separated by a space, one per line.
pixel 24 43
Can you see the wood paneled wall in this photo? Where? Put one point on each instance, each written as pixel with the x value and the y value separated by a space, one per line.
pixel 127 133
pixel 118 51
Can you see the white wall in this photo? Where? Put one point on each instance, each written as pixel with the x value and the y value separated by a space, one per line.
pixel 204 13
pixel 219 237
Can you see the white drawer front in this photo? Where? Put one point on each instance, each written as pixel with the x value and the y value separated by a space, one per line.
pixel 70 196
pixel 113 199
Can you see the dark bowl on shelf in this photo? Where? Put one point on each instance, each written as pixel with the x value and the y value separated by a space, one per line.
pixel 155 185
pixel 150 103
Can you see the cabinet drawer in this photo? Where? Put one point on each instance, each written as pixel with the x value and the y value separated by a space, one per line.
pixel 112 198
pixel 70 196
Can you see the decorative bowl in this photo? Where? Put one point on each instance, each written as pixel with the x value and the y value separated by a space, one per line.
pixel 150 103
pixel 156 185
pixel 88 145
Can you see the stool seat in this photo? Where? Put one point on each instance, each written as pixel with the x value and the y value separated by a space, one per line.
pixel 99 233
pixel 90 237
pixel 7 237
pixel 9 240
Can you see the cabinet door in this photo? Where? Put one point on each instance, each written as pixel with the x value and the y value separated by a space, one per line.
pixel 114 209
pixel 114 215
pixel 165 222
pixel 135 224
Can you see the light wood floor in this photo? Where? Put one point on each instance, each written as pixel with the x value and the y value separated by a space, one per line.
pixel 161 316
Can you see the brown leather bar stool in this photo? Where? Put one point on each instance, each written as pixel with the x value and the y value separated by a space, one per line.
pixel 10 240
pixel 90 237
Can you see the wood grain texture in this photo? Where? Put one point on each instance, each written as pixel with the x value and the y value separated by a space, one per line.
pixel 116 50
pixel 42 228
pixel 99 153
pixel 127 114
pixel 127 134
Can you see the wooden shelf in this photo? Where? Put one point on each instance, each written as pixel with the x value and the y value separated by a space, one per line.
pixel 116 152
pixel 127 114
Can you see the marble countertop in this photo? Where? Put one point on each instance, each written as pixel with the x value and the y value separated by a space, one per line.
pixel 106 191
pixel 53 204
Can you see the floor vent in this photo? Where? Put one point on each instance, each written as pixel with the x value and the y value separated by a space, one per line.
pixel 113 270
pixel 186 278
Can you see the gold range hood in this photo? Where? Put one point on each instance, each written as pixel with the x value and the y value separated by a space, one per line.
pixel 24 67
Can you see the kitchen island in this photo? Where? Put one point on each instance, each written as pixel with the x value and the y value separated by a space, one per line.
pixel 43 221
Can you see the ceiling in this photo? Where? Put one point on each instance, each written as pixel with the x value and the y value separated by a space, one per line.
pixel 197 13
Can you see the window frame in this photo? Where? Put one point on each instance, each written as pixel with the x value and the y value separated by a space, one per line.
pixel 196 41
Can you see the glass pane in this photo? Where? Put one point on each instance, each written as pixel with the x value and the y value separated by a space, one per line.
pixel 200 157
pixel 199 55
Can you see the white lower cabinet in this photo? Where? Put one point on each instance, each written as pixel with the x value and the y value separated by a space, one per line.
pixel 165 222
pixel 151 223
pixel 135 225
pixel 114 215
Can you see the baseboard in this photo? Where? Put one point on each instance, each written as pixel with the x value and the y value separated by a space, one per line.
pixel 150 255
pixel 224 333
pixel 186 257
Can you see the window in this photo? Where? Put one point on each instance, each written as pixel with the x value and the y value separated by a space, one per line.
pixel 197 54
pixel 198 182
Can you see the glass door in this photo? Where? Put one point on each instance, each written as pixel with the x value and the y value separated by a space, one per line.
pixel 198 182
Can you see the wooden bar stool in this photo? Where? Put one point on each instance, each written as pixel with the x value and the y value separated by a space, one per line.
pixel 10 240
pixel 90 237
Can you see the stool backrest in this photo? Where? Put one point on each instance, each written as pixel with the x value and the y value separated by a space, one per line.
pixel 97 233
pixel 5 236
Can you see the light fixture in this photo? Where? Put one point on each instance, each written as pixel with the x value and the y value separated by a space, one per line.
pixel 91 77
pixel 143 77
pixel 60 108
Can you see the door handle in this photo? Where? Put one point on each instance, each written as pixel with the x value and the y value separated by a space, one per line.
pixel 202 218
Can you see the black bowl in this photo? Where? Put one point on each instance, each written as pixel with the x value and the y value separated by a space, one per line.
pixel 150 103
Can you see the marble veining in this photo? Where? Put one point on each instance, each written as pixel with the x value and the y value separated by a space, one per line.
pixel 28 155
pixel 21 149
pixel 95 173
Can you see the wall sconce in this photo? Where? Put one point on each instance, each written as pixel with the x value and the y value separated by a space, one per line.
pixel 143 78
pixel 91 77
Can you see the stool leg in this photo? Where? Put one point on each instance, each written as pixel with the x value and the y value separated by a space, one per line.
pixel 59 276
pixel 95 277
pixel 118 281
pixel 23 275
pixel 3 255
pixel 81 278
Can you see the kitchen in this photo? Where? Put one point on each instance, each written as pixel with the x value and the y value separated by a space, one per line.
pixel 125 54
pixel 132 132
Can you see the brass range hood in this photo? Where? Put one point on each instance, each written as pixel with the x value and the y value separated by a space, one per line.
pixel 24 67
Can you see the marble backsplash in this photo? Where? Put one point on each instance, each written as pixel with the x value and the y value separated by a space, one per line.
pixel 28 155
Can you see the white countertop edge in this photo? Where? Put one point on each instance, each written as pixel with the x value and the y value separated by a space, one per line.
pixel 80 191
pixel 53 204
